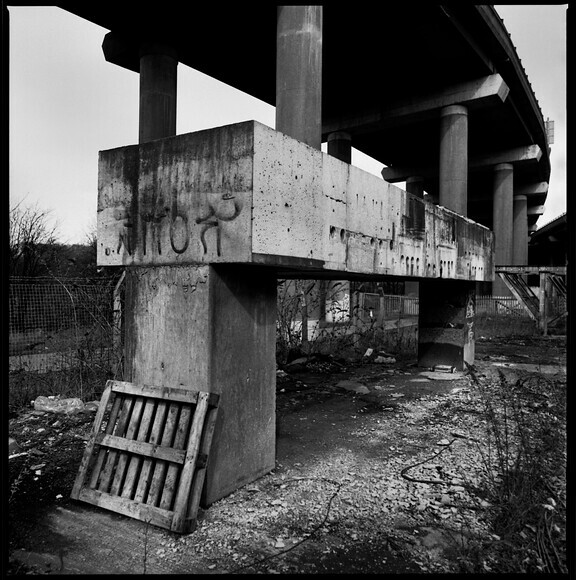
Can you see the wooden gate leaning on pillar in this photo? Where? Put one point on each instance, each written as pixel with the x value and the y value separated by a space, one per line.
pixel 147 453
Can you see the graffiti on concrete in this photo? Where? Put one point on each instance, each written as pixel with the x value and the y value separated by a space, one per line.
pixel 157 227
pixel 216 215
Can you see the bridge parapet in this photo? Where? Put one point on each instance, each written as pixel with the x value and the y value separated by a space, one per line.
pixel 245 193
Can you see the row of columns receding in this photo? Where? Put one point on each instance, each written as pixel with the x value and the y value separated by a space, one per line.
pixel 509 211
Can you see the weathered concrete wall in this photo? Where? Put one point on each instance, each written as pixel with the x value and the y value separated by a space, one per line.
pixel 245 193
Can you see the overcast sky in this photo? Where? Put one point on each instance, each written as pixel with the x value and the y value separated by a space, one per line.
pixel 67 103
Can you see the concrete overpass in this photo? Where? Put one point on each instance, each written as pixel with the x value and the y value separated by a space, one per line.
pixel 206 222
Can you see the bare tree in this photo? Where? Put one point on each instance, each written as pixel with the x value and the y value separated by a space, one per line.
pixel 32 239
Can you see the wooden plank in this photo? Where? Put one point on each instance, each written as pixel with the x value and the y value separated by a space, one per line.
pixel 102 452
pixel 173 471
pixel 83 470
pixel 200 474
pixel 142 436
pixel 119 429
pixel 139 511
pixel 148 464
pixel 161 466
pixel 142 448
pixel 183 493
pixel 151 391
pixel 133 425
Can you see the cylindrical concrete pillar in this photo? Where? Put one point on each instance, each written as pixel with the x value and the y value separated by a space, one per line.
pixel 337 298
pixel 299 73
pixel 158 74
pixel 340 146
pixel 520 237
pixel 415 186
pixel 502 223
pixel 453 181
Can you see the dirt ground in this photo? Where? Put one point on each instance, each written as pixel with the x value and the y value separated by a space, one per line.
pixel 379 470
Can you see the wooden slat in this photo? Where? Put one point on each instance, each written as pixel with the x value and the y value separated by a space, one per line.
pixel 82 472
pixel 139 511
pixel 119 429
pixel 134 462
pixel 161 466
pixel 148 464
pixel 102 452
pixel 133 424
pixel 171 393
pixel 141 448
pixel 183 493
pixel 200 474
pixel 173 471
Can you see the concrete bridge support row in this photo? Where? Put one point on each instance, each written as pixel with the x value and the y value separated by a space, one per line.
pixel 212 326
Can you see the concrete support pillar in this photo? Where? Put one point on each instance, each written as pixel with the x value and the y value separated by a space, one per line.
pixel 415 186
pixel 520 238
pixel 502 222
pixel 340 146
pixel 299 100
pixel 453 182
pixel 299 73
pixel 209 328
pixel 338 303
pixel 446 323
pixel 158 76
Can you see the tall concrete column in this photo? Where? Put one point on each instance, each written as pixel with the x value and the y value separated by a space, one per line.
pixel 453 181
pixel 158 74
pixel 338 302
pixel 447 307
pixel 299 73
pixel 502 222
pixel 415 186
pixel 520 238
pixel 340 146
pixel 205 327
pixel 299 101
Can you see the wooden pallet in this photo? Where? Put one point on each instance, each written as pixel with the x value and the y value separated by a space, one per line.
pixel 147 459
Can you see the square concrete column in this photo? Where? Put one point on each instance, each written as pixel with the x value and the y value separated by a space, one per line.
pixel 211 328
pixel 446 323
pixel 453 180
pixel 502 222
pixel 520 236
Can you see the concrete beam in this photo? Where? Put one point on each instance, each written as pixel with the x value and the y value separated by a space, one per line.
pixel 482 92
pixel 536 210
pixel 532 189
pixel 245 193
pixel 528 154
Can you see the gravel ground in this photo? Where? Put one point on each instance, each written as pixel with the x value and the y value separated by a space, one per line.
pixel 381 468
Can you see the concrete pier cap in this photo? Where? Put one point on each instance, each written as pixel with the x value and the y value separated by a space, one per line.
pixel 244 193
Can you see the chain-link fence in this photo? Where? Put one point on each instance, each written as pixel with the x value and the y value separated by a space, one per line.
pixel 59 323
